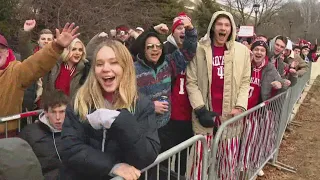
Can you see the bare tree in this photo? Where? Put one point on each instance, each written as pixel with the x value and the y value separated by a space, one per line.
pixel 245 12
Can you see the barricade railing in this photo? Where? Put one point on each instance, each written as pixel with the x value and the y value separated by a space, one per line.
pixel 241 147
pixel 169 172
pixel 245 143
pixel 17 117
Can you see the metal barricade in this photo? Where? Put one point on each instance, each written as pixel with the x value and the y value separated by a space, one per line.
pixel 245 143
pixel 5 120
pixel 175 153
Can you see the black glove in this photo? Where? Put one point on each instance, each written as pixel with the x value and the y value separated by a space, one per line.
pixel 206 118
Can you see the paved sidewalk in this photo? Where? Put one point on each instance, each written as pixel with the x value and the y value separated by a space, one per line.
pixel 315 71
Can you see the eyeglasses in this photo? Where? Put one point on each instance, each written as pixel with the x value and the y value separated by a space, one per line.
pixel 151 46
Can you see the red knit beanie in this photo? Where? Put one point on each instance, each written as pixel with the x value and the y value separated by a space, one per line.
pixel 178 20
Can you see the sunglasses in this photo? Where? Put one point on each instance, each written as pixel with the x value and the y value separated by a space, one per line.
pixel 151 46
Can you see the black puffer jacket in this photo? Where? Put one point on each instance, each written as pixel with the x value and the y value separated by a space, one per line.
pixel 46 144
pixel 132 139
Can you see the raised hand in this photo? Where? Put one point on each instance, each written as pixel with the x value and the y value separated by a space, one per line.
pixel 29 25
pixel 187 22
pixel 67 35
pixel 162 29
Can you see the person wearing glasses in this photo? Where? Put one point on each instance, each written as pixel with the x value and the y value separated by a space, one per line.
pixel 155 69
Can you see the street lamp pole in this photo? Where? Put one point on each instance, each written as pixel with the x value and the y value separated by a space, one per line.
pixel 305 34
pixel 290 26
pixel 256 10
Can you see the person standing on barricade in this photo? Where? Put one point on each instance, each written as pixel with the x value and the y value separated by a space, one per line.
pixel 111 129
pixel 155 69
pixel 45 136
pixel 17 76
pixel 218 81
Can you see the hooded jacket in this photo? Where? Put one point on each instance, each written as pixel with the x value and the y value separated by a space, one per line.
pixel 269 75
pixel 131 139
pixel 155 81
pixel 19 75
pixel 237 72
pixel 45 141
pixel 282 67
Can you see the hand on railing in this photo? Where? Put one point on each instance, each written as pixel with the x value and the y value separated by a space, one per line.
pixel 126 171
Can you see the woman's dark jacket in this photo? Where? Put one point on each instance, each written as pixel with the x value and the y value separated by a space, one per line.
pixel 132 139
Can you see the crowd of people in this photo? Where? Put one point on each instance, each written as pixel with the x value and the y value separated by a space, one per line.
pixel 112 106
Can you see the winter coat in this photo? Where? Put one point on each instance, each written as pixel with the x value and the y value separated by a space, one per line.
pixel 18 161
pixel 19 75
pixel 46 144
pixel 282 67
pixel 302 66
pixel 132 139
pixel 78 78
pixel 155 81
pixel 237 72
pixel 269 74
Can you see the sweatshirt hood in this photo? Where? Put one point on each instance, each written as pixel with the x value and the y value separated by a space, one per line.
pixel 45 121
pixel 271 46
pixel 207 39
pixel 171 40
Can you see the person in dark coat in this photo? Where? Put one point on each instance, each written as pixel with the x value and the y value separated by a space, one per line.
pixel 16 152
pixel 111 130
pixel 45 136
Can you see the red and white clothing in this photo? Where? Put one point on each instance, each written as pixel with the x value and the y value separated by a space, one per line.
pixel 181 109
pixel 228 149
pixel 217 78
pixel 64 78
pixel 255 87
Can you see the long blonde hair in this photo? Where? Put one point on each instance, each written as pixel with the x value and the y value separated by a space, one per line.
pixel 90 96
pixel 65 56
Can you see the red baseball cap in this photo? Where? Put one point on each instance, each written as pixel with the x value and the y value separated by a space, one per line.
pixel 3 41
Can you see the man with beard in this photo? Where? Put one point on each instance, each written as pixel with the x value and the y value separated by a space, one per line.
pixel 218 81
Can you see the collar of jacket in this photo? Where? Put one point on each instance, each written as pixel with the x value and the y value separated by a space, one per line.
pixel 148 64
pixel 44 120
pixel 171 40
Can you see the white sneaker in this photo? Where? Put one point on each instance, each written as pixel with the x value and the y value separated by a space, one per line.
pixel 261 173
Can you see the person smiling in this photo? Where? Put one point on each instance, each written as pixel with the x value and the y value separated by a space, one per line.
pixel 155 69
pixel 67 74
pixel 111 129
pixel 218 81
